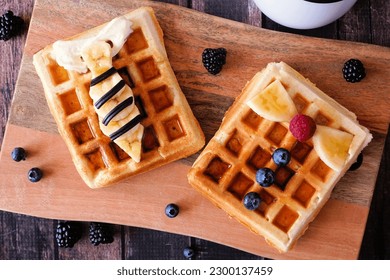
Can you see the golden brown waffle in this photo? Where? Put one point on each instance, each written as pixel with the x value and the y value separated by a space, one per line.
pixel 225 170
pixel 171 130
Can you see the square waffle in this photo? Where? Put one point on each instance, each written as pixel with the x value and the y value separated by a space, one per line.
pixel 171 130
pixel 225 170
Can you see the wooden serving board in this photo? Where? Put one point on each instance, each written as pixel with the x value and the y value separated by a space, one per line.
pixel 140 201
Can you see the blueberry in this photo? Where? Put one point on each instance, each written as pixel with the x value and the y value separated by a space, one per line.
pixel 18 154
pixel 252 200
pixel 172 210
pixel 357 163
pixel 281 157
pixel 265 177
pixel 35 174
pixel 188 252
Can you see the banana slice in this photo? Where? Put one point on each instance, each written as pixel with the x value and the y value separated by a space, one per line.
pixel 332 146
pixel 113 100
pixel 133 149
pixel 274 103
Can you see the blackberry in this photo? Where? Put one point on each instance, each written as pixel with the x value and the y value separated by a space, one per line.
pixel 68 233
pixel 353 71
pixel 10 25
pixel 100 233
pixel 357 163
pixel 214 59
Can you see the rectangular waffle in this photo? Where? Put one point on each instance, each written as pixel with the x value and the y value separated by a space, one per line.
pixel 171 130
pixel 225 170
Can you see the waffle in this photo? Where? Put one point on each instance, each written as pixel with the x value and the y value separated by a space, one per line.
pixel 171 131
pixel 225 170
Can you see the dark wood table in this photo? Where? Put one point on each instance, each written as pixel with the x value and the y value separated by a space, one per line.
pixel 25 237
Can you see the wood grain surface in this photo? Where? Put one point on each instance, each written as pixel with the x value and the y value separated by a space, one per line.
pixel 28 120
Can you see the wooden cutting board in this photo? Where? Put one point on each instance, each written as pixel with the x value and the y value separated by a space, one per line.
pixel 140 201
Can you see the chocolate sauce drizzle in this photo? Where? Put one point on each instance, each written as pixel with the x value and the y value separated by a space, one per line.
pixel 117 109
pixel 103 76
pixel 110 94
pixel 126 127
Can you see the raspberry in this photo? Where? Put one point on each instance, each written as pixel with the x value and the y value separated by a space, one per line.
pixel 302 127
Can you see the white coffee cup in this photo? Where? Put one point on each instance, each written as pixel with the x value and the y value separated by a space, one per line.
pixel 304 14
